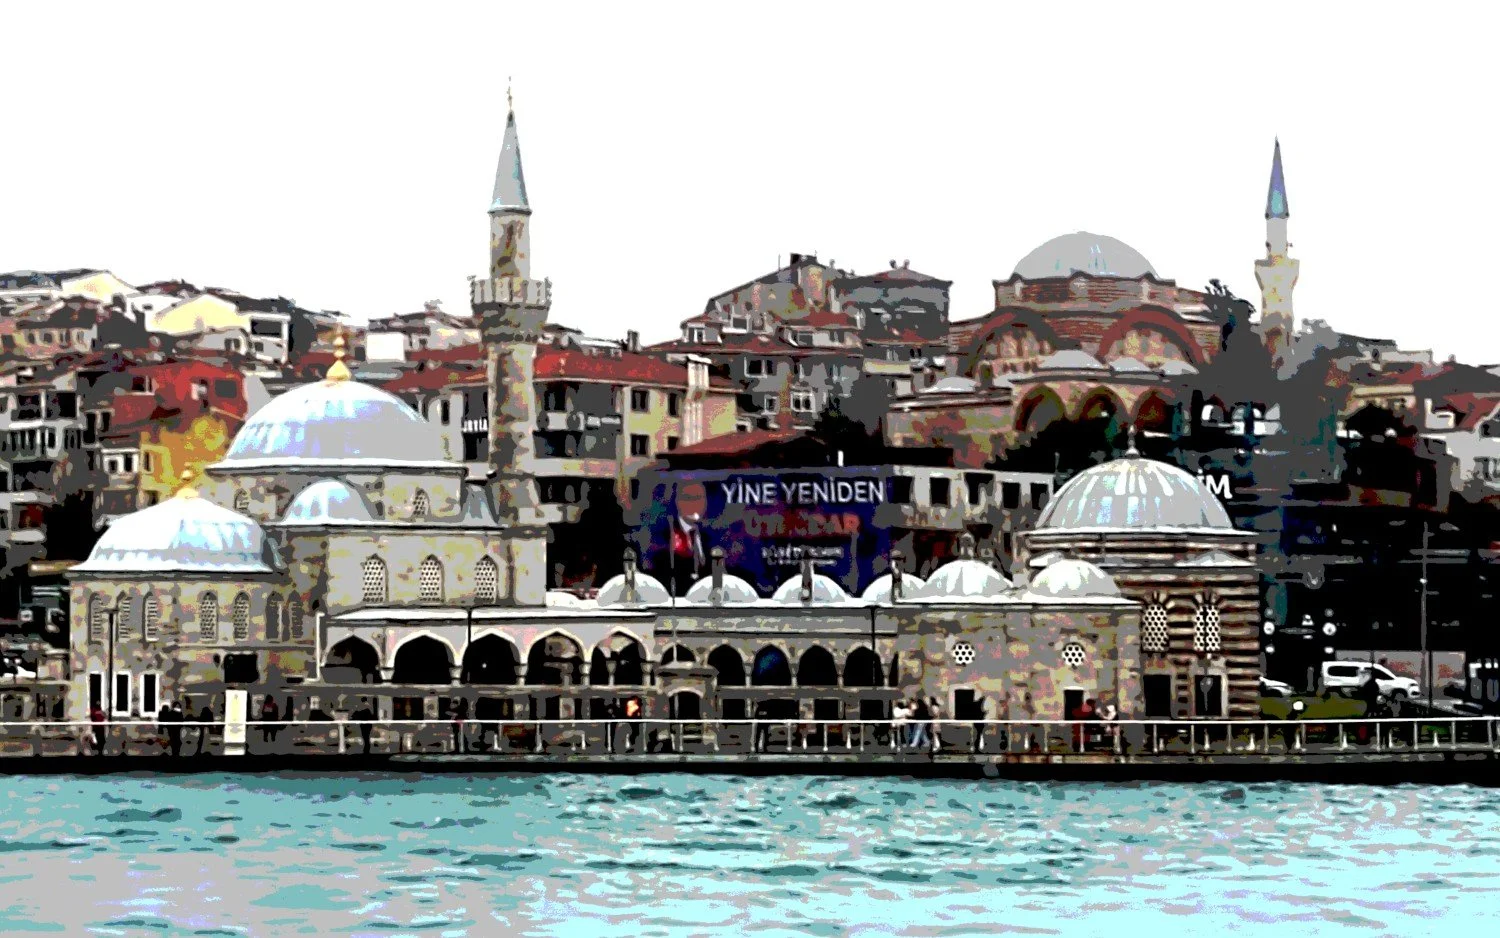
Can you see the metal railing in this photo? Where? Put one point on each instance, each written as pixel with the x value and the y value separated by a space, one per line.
pixel 1017 739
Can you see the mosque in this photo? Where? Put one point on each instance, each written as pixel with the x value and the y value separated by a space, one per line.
pixel 335 555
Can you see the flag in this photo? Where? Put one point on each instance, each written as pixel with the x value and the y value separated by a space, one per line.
pixel 687 542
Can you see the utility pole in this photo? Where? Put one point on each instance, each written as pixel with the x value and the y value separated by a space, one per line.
pixel 1426 651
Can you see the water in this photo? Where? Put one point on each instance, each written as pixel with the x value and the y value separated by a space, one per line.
pixel 688 855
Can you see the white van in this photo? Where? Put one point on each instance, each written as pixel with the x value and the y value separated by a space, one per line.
pixel 1352 675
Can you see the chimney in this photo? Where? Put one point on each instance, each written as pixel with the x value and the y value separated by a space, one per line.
pixel 716 595
pixel 893 265
pixel 632 341
pixel 631 596
pixel 896 578
pixel 807 578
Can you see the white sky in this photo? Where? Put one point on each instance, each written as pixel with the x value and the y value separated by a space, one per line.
pixel 345 158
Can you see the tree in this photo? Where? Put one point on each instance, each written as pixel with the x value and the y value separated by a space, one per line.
pixel 859 440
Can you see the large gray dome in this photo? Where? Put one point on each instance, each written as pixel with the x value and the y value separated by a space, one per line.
pixel 1099 255
pixel 1133 493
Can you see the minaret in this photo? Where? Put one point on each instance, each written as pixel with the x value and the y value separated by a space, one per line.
pixel 1277 273
pixel 511 309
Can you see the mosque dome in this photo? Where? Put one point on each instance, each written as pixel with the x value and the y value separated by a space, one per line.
pixel 1099 255
pixel 879 591
pixel 1073 579
pixel 649 591
pixel 964 579
pixel 824 592
pixel 1133 493
pixel 329 501
pixel 1128 365
pixel 561 599
pixel 735 591
pixel 184 534
pixel 335 421
pixel 953 384
pixel 1071 359
pixel 1175 367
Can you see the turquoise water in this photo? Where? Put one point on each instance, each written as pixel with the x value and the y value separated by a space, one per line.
pixel 689 855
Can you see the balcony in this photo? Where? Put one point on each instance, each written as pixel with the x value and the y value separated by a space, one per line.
pixel 475 425
pixel 932 517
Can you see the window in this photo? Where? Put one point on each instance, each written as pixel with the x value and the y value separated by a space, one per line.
pixel 146 460
pixel 1154 633
pixel 421 505
pixel 939 491
pixel 121 702
pixel 372 579
pixel 273 618
pixel 1073 655
pixel 770 404
pixel 640 445
pixel 963 654
pixel 1383 674
pixel 444 412
pixel 754 366
pixel 673 404
pixel 803 402
pixel 635 489
pixel 226 389
pixel 975 484
pixel 1206 632
pixel 96 690
pixel 486 581
pixel 96 618
pixel 294 617
pixel 1208 695
pixel 1159 695
pixel 671 442
pixel 241 618
pixel 124 625
pixel 150 693
pixel 242 502
pixel 1010 494
pixel 640 400
pixel 1039 494
pixel 151 619
pixel 430 581
pixel 901 490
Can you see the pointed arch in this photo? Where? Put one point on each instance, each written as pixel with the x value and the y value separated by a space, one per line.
pixel 1101 404
pixel 678 654
pixel 729 664
pixel 816 668
pixel 355 652
pixel 208 617
pixel 1040 407
pixel 771 668
pixel 273 617
pixel 294 615
pixel 555 658
pixel 491 659
pixel 422 659
pixel 862 668
pixel 151 618
pixel 430 581
pixel 241 617
pixel 374 580
pixel 486 581
pixel 96 617
pixel 421 505
pixel 1153 412
pixel 124 623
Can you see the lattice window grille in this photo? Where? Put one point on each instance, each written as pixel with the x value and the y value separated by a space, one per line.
pixel 1207 632
pixel 421 505
pixel 124 627
pixel 1073 655
pixel 241 617
pixel 96 618
pixel 372 574
pixel 151 619
pixel 430 581
pixel 963 654
pixel 486 581
pixel 208 618
pixel 294 617
pixel 273 618
pixel 1154 633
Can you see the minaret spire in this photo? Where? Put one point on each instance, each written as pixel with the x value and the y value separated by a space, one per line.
pixel 1277 272
pixel 1276 206
pixel 510 182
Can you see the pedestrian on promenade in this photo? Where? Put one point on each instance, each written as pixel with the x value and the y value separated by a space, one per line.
pixel 268 718
pixel 976 740
pixel 899 730
pixel 1289 727
pixel 934 724
pixel 364 716
pixel 205 722
pixel 163 720
pixel 611 725
pixel 174 728
pixel 460 714
pixel 96 717
pixel 762 728
pixel 919 716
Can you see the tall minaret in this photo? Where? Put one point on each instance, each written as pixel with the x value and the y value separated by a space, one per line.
pixel 511 309
pixel 1277 273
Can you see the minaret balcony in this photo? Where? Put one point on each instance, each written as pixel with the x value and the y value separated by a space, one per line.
pixel 511 291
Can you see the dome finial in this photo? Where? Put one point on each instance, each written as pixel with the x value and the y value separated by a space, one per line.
pixel 510 103
pixel 338 371
pixel 1130 449
pixel 187 490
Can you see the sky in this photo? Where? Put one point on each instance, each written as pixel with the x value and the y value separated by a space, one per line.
pixel 343 155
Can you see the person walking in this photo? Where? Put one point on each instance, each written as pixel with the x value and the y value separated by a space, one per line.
pixel 163 720
pixel 976 740
pixel 919 716
pixel 460 714
pixel 205 723
pixel 174 728
pixel 268 716
pixel 364 717
pixel 97 718
pixel 899 713
pixel 934 724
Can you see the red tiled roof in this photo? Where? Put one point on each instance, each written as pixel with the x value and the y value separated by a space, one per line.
pixel 456 355
pixel 824 319
pixel 555 364
pixel 731 444
pixel 1470 409
pixel 436 378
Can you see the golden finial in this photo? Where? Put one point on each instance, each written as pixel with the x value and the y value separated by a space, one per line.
pixel 510 104
pixel 187 490
pixel 338 371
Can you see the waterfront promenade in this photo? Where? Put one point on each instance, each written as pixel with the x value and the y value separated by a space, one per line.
pixel 1388 750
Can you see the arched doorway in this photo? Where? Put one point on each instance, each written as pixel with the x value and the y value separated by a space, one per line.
pixel 422 660
pixel 771 669
pixel 678 654
pixel 816 668
pixel 355 655
pixel 554 660
pixel 731 673
pixel 490 660
pixel 862 669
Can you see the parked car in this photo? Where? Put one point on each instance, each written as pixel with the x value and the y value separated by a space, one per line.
pixel 1270 688
pixel 1348 677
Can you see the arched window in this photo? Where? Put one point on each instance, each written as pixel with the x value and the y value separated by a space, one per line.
pixel 430 581
pixel 124 625
pixel 151 618
pixel 241 617
pixel 1206 633
pixel 242 502
pixel 96 618
pixel 421 505
pixel 273 618
pixel 294 617
pixel 208 617
pixel 372 576
pixel 1154 634
pixel 486 581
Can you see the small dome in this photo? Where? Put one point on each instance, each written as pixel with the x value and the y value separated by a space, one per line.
pixel 1128 365
pixel 1073 579
pixel 1215 558
pixel 965 579
pixel 556 599
pixel 1174 367
pixel 336 422
pixel 1099 255
pixel 824 591
pixel 736 592
pixel 954 384
pixel 1071 359
pixel 1133 494
pixel 184 534
pixel 648 589
pixel 879 591
pixel 329 501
